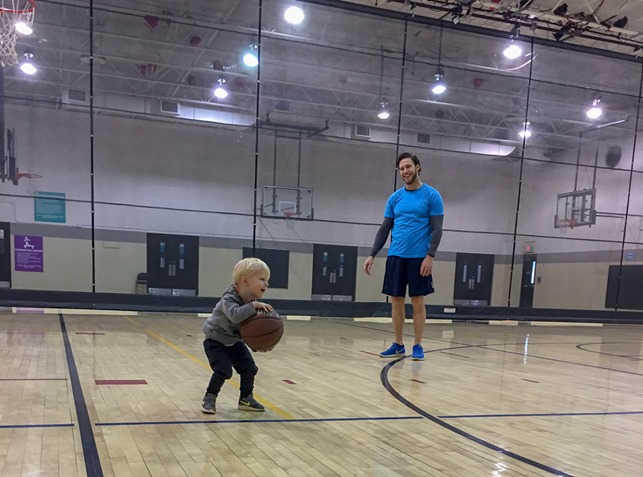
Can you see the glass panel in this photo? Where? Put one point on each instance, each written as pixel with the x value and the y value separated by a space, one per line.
pixel 46 174
pixel 322 89
pixel 174 156
pixel 591 72
pixel 468 137
pixel 187 168
pixel 572 261
pixel 630 155
pixel 573 176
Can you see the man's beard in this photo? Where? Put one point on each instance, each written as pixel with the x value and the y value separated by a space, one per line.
pixel 411 179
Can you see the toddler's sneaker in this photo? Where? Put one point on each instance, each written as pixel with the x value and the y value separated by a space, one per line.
pixel 249 403
pixel 209 404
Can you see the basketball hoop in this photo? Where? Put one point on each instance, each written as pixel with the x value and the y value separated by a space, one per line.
pixel 289 215
pixel 565 224
pixel 16 17
pixel 25 175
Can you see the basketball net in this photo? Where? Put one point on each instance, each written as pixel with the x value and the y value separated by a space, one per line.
pixel 16 17
pixel 565 224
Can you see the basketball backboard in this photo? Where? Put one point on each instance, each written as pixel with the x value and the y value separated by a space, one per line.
pixel 287 202
pixel 8 168
pixel 575 209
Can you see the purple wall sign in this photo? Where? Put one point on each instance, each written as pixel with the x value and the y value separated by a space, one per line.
pixel 28 253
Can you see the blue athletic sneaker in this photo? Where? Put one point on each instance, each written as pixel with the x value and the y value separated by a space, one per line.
pixel 418 353
pixel 393 351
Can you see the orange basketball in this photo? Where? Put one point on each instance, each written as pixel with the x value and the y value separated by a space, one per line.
pixel 262 331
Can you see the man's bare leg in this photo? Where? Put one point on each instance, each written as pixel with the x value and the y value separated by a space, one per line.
pixel 419 318
pixel 397 312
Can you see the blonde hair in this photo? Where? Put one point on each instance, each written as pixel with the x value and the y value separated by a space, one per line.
pixel 249 267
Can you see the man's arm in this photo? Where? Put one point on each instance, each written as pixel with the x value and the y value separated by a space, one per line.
pixel 380 240
pixel 436 234
pixel 382 235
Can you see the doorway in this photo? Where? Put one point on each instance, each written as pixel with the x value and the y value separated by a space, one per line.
pixel 334 272
pixel 528 282
pixel 473 279
pixel 172 264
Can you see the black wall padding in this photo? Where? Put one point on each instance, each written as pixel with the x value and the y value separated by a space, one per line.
pixel 328 309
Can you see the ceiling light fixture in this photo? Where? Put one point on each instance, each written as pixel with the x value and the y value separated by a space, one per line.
pixel 525 132
pixel 456 13
pixel 561 10
pixel 564 30
pixel 439 87
pixel 250 57
pixel 27 66
pixel 294 15
pixel 620 23
pixel 513 51
pixel 595 111
pixel 23 27
pixel 220 91
pixel 383 111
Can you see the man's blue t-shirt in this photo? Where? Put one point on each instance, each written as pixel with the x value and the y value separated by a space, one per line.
pixel 410 211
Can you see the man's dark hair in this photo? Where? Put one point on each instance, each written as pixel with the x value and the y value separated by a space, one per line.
pixel 407 155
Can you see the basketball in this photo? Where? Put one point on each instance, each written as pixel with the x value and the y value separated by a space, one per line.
pixel 262 331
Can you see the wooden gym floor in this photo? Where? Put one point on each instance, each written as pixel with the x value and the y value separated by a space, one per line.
pixel 119 395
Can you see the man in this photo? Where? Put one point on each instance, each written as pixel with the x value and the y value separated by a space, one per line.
pixel 415 214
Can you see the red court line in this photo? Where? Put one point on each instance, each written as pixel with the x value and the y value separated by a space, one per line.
pixel 120 381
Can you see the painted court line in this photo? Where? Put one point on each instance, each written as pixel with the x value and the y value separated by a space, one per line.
pixel 259 421
pixel 455 354
pixel 100 382
pixel 545 414
pixel 33 379
pixel 33 426
pixel 88 442
pixel 556 360
pixel 205 365
pixel 368 352
pixel 441 422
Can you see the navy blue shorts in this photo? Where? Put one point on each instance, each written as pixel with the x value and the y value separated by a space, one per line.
pixel 401 272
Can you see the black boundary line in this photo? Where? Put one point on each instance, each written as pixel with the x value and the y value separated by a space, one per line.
pixel 632 357
pixel 460 432
pixel 33 379
pixel 456 354
pixel 88 442
pixel 490 348
pixel 556 360
pixel 352 419
pixel 34 426
pixel 260 421
pixel 544 414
